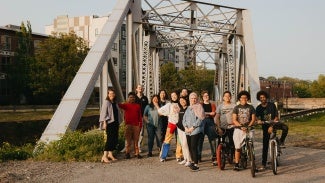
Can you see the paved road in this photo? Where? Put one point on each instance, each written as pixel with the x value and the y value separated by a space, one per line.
pixel 297 165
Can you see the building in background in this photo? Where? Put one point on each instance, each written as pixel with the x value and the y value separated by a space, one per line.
pixel 278 90
pixel 9 43
pixel 88 28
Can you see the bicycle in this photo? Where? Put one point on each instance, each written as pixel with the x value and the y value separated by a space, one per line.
pixel 274 147
pixel 224 151
pixel 247 151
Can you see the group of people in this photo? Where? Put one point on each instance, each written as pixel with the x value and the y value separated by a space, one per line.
pixel 187 118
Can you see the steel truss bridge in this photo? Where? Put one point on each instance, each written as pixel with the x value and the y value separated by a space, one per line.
pixel 209 33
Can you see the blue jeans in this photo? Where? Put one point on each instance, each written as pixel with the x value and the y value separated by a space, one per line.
pixel 209 129
pixel 152 135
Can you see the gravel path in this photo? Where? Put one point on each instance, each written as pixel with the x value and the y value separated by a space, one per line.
pixel 297 165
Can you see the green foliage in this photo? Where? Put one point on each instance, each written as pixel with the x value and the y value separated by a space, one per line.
pixel 317 88
pixel 77 146
pixel 305 88
pixel 198 79
pixel 73 146
pixel 19 70
pixel 169 77
pixel 56 63
pixel 301 89
pixel 308 129
pixel 10 152
pixel 193 78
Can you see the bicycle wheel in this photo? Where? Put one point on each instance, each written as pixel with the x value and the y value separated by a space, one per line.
pixel 243 157
pixel 252 158
pixel 230 155
pixel 221 159
pixel 273 158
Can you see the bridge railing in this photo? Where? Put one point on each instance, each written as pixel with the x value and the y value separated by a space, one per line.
pixel 302 113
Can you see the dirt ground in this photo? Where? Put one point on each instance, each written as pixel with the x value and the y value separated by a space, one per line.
pixel 149 169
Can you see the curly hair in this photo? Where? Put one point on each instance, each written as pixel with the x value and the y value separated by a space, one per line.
pixel 244 92
pixel 258 94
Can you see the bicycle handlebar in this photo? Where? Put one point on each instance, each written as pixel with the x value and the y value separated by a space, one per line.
pixel 271 122
pixel 245 126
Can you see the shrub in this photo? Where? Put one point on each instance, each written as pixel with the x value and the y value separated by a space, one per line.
pixel 10 152
pixel 73 146
pixel 76 146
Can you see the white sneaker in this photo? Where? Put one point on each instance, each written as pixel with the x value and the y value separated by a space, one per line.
pixel 187 163
pixel 182 162
pixel 123 150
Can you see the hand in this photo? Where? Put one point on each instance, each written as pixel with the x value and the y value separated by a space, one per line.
pixel 260 122
pixel 220 131
pixel 104 126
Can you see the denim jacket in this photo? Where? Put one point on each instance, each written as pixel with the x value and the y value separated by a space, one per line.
pixel 191 120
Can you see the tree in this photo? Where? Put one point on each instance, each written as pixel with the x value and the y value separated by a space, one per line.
pixel 56 64
pixel 198 79
pixel 169 78
pixel 193 78
pixel 301 89
pixel 317 88
pixel 20 68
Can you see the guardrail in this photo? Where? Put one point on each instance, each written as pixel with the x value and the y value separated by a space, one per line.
pixel 26 108
pixel 302 113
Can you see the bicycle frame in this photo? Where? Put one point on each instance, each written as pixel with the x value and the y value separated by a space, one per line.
pixel 247 151
pixel 274 149
pixel 224 151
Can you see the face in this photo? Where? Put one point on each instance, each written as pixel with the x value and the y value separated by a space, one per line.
pixel 184 92
pixel 262 98
pixel 139 89
pixel 226 97
pixel 243 100
pixel 205 97
pixel 111 95
pixel 173 96
pixel 183 102
pixel 162 95
pixel 131 99
pixel 155 100
pixel 193 99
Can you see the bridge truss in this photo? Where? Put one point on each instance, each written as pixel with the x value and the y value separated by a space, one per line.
pixel 218 37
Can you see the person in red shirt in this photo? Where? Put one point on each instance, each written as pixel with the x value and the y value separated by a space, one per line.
pixel 133 124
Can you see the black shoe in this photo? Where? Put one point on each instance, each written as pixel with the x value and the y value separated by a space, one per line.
pixel 236 167
pixel 127 156
pixel 194 167
pixel 149 154
pixel 138 156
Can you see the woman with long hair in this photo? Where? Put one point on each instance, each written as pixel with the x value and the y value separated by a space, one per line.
pixel 110 118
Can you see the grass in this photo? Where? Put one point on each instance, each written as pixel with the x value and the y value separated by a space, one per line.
pixel 36 115
pixel 308 131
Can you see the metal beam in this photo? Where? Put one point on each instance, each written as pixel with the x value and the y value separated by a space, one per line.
pixel 73 104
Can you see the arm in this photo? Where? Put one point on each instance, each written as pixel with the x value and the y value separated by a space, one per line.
pixel 164 110
pixel 102 116
pixel 213 110
pixel 146 113
pixel 251 123
pixel 234 120
pixel 217 122
pixel 253 116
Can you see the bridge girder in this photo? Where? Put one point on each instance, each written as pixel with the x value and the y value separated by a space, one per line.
pixel 214 34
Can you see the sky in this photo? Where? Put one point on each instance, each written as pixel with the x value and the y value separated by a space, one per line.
pixel 288 34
